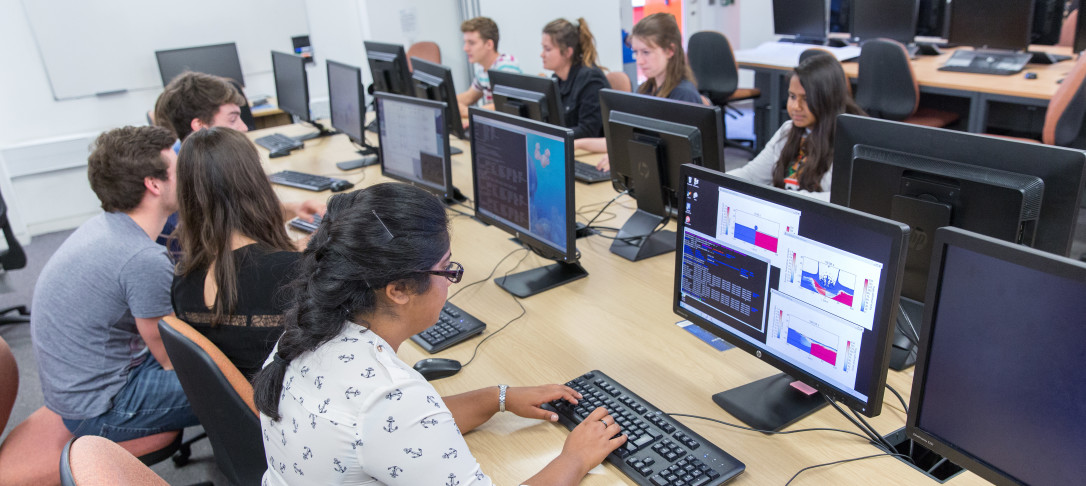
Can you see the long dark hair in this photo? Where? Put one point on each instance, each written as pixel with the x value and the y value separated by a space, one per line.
pixel 661 30
pixel 827 96
pixel 564 34
pixel 368 239
pixel 222 189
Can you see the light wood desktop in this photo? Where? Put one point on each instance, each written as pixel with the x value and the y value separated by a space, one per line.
pixel 617 320
pixel 978 89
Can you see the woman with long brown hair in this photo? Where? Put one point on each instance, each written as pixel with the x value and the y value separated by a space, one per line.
pixel 235 250
pixel 570 51
pixel 800 154
pixel 657 44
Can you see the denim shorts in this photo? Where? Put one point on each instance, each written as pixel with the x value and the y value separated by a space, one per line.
pixel 151 402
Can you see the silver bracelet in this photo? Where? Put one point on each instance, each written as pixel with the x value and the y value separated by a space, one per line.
pixel 501 397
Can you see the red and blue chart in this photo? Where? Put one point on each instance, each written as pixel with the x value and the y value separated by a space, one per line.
pixel 757 231
pixel 827 280
pixel 822 351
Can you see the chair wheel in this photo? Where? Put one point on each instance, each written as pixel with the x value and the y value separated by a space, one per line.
pixel 182 456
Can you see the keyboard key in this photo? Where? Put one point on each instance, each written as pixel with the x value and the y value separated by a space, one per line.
pixel 453 326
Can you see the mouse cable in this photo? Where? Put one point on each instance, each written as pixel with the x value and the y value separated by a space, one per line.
pixel 770 432
pixel 500 329
pixel 900 399
pixel 491 274
pixel 842 461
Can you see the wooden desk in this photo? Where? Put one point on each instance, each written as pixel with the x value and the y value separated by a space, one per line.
pixel 977 91
pixel 618 320
pixel 269 115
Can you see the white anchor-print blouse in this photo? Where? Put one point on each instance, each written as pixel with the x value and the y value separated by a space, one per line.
pixel 352 412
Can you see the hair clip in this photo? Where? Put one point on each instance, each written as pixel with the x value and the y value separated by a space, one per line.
pixel 390 236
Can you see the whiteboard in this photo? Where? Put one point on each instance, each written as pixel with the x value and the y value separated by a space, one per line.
pixel 96 47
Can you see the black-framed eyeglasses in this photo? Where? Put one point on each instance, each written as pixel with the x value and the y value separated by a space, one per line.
pixel 453 271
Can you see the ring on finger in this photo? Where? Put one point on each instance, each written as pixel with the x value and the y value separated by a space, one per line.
pixel 605 424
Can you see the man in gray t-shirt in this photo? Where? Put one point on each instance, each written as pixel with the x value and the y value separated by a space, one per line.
pixel 98 300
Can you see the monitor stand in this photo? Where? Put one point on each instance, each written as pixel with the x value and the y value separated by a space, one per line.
pixel 321 132
pixel 369 157
pixel 453 150
pixel 457 197
pixel 536 280
pixel 903 351
pixel 636 240
pixel 1046 58
pixel 770 403
pixel 927 49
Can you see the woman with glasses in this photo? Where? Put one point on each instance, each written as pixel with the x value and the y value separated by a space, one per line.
pixel 337 406
pixel 236 254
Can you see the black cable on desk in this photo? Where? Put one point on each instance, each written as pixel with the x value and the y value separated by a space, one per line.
pixel 491 274
pixel 898 395
pixel 500 329
pixel 773 432
pixel 604 208
pixel 842 461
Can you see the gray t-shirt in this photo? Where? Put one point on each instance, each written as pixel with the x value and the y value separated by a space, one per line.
pixel 107 273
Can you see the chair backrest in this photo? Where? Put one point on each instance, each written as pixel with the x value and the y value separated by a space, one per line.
pixel 14 257
pixel 220 397
pixel 9 382
pixel 1065 121
pixel 619 81
pixel 1067 30
pixel 425 50
pixel 96 461
pixel 886 86
pixel 713 63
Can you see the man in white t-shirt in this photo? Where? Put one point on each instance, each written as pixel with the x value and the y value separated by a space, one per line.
pixel 481 46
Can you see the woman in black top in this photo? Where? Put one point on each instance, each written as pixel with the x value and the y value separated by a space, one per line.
pixel 570 51
pixel 236 252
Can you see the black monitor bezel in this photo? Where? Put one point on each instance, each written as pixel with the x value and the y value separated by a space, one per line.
pixel 423 68
pixel 377 52
pixel 543 248
pixel 448 191
pixel 235 75
pixel 982 37
pixel 908 26
pixel 1020 255
pixel 545 86
pixel 1060 168
pixel 890 285
pixel 280 57
pixel 790 7
pixel 358 138
pixel 1079 43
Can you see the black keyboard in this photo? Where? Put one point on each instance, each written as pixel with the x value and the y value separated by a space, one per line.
pixel 660 450
pixel 452 327
pixel 588 173
pixel 278 142
pixel 307 226
pixel 980 62
pixel 302 180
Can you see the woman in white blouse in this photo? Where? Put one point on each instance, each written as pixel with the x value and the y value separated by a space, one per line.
pixel 337 406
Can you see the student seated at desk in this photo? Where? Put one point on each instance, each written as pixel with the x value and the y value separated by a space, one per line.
pixel 236 254
pixel 195 101
pixel 481 46
pixel 800 154
pixel 570 51
pixel 657 45
pixel 376 271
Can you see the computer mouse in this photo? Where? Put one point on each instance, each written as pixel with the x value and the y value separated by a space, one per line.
pixel 340 185
pixel 1031 75
pixel 437 368
pixel 278 153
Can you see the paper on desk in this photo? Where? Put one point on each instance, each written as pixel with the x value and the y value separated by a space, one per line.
pixel 786 54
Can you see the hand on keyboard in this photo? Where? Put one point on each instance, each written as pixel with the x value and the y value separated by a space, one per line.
pixel 525 401
pixel 592 440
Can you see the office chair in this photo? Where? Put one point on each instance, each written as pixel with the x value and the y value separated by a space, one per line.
pixel 220 397
pixel 619 81
pixel 713 63
pixel 887 87
pixel 1067 30
pixel 11 259
pixel 9 382
pixel 425 50
pixel 96 461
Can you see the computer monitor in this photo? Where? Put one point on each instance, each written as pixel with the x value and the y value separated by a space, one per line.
pixel 804 20
pixel 434 82
pixel 388 66
pixel 926 177
pixel 347 105
pixel 890 19
pixel 292 90
pixel 523 176
pixel 219 59
pixel 414 145
pixel 648 139
pixel 932 19
pixel 806 286
pixel 991 24
pixel 1047 22
pixel 528 96
pixel 999 385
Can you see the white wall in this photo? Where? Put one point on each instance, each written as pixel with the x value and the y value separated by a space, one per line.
pixel 521 24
